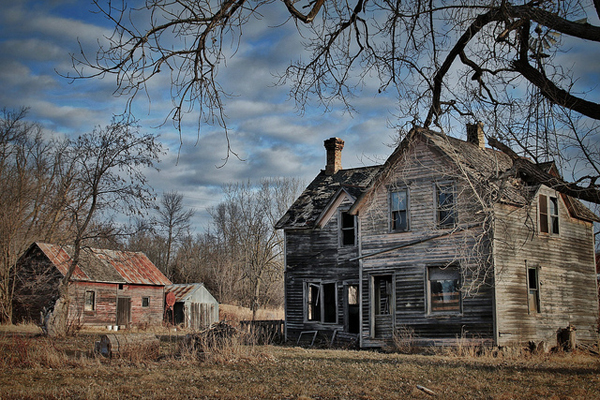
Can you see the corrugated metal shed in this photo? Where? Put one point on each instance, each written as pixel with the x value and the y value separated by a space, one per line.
pixel 194 306
pixel 101 265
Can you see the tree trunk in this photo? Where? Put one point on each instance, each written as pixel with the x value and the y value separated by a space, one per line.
pixel 56 322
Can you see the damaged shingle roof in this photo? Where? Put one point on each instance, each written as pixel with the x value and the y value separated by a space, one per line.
pixel 306 210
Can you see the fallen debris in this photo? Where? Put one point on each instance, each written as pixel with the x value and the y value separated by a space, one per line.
pixel 424 389
pixel 217 335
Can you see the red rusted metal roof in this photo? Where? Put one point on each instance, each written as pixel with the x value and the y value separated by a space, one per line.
pixel 181 291
pixel 101 265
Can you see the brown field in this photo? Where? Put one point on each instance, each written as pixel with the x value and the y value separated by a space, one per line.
pixel 33 366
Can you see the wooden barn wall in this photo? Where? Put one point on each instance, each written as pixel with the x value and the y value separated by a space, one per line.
pixel 105 312
pixel 409 265
pixel 314 256
pixel 566 273
pixel 36 287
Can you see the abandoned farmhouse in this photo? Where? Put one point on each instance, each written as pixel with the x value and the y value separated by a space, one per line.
pixel 441 242
pixel 108 288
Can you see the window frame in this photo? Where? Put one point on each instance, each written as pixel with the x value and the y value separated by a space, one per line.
pixel 533 290
pixel 548 212
pixel 392 209
pixel 320 302
pixel 442 223
pixel 86 306
pixel 345 229
pixel 437 273
pixel 147 299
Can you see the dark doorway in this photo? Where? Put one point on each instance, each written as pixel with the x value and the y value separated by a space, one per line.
pixel 352 299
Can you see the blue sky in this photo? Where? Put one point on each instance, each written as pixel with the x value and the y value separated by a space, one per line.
pixel 272 139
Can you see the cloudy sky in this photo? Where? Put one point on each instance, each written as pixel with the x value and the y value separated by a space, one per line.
pixel 270 136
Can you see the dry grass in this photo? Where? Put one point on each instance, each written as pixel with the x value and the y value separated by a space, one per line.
pixel 235 314
pixel 38 367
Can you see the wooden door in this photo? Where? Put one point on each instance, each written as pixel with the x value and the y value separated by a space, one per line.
pixel 123 311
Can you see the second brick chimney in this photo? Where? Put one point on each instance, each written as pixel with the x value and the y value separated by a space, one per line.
pixel 475 134
pixel 334 148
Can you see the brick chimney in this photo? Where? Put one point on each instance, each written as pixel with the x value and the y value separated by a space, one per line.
pixel 334 148
pixel 475 134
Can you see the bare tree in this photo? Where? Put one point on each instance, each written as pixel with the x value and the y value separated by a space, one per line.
pixel 496 61
pixel 174 222
pixel 31 195
pixel 107 167
pixel 245 223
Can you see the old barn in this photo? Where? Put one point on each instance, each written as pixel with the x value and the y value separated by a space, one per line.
pixel 439 243
pixel 108 287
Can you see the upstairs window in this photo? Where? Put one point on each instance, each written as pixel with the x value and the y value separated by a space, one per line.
pixel 145 301
pixel 548 207
pixel 321 304
pixel 399 211
pixel 90 300
pixel 445 207
pixel 444 290
pixel 348 229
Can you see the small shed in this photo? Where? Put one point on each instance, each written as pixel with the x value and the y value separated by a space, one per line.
pixel 193 305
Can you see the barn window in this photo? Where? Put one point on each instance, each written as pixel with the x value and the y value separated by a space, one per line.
pixel 347 229
pixel 399 211
pixel 548 207
pixel 444 290
pixel 90 300
pixel 445 207
pixel 321 302
pixel 145 301
pixel 533 290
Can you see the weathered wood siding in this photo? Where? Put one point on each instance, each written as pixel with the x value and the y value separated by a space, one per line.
pixel 316 256
pixel 566 271
pixel 408 266
pixel 105 312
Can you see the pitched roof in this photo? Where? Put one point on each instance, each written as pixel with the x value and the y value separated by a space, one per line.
pixel 102 265
pixel 481 164
pixel 183 291
pixel 307 209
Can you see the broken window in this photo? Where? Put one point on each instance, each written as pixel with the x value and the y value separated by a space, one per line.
pixel 548 207
pixel 382 286
pixel 321 302
pixel 145 301
pixel 90 300
pixel 445 207
pixel 348 229
pixel 399 210
pixel 554 214
pixel 444 290
pixel 533 290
